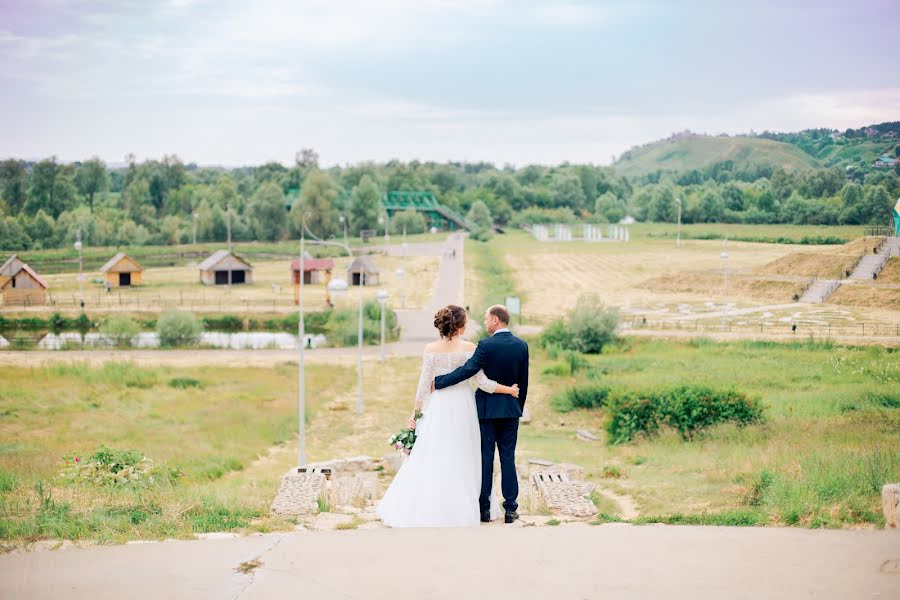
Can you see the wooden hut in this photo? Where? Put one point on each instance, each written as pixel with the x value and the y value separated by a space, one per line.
pixel 23 287
pixel 223 267
pixel 122 271
pixel 9 268
pixel 363 271
pixel 315 270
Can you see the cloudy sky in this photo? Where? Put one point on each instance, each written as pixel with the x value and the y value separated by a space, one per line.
pixel 508 81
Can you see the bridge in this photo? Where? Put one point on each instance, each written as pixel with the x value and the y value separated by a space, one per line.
pixel 437 215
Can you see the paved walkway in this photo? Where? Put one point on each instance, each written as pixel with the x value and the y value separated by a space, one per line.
pixel 568 561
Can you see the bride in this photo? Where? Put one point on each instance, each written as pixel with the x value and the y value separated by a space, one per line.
pixel 439 484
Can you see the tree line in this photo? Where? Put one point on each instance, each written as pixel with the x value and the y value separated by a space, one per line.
pixel 165 201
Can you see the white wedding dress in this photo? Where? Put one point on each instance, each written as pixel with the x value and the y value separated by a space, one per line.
pixel 439 483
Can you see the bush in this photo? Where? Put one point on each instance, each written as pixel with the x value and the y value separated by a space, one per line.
pixel 182 383
pixel 176 328
pixel 223 323
pixel 412 219
pixel 110 467
pixel 581 397
pixel 687 409
pixel 121 330
pixel 590 327
pixel 543 216
pixel 313 322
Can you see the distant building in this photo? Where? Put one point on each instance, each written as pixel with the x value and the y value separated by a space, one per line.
pixel 216 269
pixel 885 162
pixel 315 270
pixel 122 271
pixel 20 285
pixel 363 271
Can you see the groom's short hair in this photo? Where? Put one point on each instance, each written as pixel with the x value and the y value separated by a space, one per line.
pixel 499 311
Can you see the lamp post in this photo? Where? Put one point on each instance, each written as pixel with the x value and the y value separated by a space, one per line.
pixel 78 247
pixel 382 297
pixel 301 439
pixel 724 257
pixel 343 221
pixel 678 227
pixel 336 288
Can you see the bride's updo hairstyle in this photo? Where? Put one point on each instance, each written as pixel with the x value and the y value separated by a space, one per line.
pixel 449 320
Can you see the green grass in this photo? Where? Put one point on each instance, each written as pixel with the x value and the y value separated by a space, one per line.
pixel 209 431
pixel 828 442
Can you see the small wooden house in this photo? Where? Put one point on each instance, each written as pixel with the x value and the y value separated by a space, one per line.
pixel 9 268
pixel 315 270
pixel 23 287
pixel 363 271
pixel 223 267
pixel 122 271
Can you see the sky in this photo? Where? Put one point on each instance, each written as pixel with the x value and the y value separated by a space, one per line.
pixel 516 82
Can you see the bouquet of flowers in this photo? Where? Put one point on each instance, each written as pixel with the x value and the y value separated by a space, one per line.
pixel 406 438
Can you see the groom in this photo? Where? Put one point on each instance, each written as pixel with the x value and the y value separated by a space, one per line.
pixel 504 358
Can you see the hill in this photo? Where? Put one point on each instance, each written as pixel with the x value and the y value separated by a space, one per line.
pixel 684 152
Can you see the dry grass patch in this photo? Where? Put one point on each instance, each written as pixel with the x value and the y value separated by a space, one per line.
pixel 804 264
pixel 867 295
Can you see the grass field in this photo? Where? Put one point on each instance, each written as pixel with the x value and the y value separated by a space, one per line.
pixel 271 289
pixel 828 442
pixel 652 277
pixel 827 446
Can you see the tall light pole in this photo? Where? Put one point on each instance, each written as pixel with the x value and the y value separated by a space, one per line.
pixel 80 269
pixel 678 227
pixel 343 220
pixel 228 213
pixel 301 438
pixel 382 297
pixel 336 287
pixel 724 257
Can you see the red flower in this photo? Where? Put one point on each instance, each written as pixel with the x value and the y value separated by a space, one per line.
pixel 77 459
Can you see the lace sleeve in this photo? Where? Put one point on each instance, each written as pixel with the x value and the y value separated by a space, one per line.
pixel 423 391
pixel 488 385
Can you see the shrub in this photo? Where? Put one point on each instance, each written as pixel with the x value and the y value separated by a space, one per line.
pixel 591 325
pixel 543 216
pixel 176 328
pixel 589 328
pixel 413 220
pixel 581 397
pixel 110 467
pixel 687 409
pixel 185 382
pixel 121 330
pixel 223 323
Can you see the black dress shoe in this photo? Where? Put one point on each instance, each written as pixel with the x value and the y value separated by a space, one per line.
pixel 485 516
pixel 511 516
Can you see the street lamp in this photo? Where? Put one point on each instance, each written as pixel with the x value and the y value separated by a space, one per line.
pixel 78 247
pixel 343 221
pixel 382 297
pixel 724 257
pixel 678 228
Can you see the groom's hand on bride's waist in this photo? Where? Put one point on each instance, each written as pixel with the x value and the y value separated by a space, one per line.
pixel 432 385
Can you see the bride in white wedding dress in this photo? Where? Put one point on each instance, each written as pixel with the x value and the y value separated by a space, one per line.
pixel 439 484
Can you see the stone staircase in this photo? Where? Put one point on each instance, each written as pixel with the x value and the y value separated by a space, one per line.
pixel 819 291
pixel 871 264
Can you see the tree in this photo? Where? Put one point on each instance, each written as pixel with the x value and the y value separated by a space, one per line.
pixel 91 178
pixel 662 207
pixel 364 206
pixel 267 212
pixel 317 199
pixel 610 208
pixel 567 190
pixel 41 227
pixel 13 175
pixel 411 219
pixel 480 215
pixel 51 188
pixel 711 208
pixel 876 205
pixel 12 235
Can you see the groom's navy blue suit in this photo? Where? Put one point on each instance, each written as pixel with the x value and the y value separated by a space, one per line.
pixel 504 358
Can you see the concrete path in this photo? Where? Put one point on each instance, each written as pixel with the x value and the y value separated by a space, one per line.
pixel 569 561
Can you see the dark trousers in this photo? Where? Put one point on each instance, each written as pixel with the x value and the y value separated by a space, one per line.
pixel 502 434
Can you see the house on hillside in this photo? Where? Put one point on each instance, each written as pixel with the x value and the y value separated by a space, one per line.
pixel 20 285
pixel 885 162
pixel 363 271
pixel 224 268
pixel 122 271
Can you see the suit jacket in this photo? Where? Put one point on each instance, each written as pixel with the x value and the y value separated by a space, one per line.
pixel 504 358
